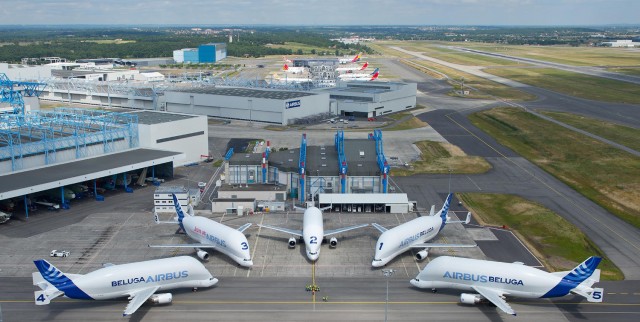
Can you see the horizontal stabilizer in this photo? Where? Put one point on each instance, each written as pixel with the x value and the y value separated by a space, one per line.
pixel 244 227
pixel 433 210
pixel 430 245
pixel 466 221
pixel 378 227
pixel 158 221
pixel 184 246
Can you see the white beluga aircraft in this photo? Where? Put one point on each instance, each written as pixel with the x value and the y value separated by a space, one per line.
pixel 313 232
pixel 138 281
pixel 414 234
pixel 493 281
pixel 210 235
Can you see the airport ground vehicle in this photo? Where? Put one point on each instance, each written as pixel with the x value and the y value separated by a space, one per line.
pixel 59 253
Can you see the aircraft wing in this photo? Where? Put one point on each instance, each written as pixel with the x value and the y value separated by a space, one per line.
pixel 342 230
pixel 495 297
pixel 284 230
pixel 184 246
pixel 433 245
pixel 378 227
pixel 137 298
pixel 244 227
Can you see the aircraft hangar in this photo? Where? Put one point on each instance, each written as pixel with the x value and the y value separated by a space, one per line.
pixel 42 151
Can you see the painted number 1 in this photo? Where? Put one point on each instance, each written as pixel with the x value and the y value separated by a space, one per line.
pixel 380 248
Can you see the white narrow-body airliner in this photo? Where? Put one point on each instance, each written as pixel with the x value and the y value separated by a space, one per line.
pixel 493 281
pixel 414 234
pixel 351 69
pixel 137 281
pixel 210 235
pixel 360 76
pixel 313 232
pixel 346 60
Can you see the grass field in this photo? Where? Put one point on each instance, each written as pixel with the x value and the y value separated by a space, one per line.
pixel 111 41
pixel 628 71
pixel 411 123
pixel 574 84
pixel 624 135
pixel 485 88
pixel 439 157
pixel 306 49
pixel 604 174
pixel 576 56
pixel 440 51
pixel 557 243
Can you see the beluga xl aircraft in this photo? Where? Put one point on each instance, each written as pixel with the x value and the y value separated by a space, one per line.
pixel 313 232
pixel 210 234
pixel 414 234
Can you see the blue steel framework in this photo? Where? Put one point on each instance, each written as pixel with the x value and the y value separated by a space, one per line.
pixel 382 161
pixel 45 132
pixel 12 92
pixel 301 165
pixel 342 160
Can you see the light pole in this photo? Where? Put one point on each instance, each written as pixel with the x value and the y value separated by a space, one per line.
pixel 387 273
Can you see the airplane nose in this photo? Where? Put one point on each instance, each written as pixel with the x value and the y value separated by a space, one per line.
pixel 213 281
pixel 313 257
pixel 247 264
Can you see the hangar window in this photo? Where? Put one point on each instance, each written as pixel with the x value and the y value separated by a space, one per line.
pixel 362 154
pixel 324 158
pixel 324 165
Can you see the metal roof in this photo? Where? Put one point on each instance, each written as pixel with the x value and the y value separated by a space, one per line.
pixel 59 175
pixel 286 160
pixel 246 92
pixel 151 117
pixel 363 198
pixel 361 157
pixel 252 187
pixel 322 161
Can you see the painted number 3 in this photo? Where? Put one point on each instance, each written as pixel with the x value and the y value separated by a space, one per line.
pixel 313 240
pixel 244 246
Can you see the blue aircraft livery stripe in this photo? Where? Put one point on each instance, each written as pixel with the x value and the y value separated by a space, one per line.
pixel 445 210
pixel 575 277
pixel 54 276
pixel 179 211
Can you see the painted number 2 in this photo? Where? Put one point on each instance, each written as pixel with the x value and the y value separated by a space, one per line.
pixel 313 240
pixel 244 246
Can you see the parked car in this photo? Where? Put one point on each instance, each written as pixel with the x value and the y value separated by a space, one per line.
pixel 59 253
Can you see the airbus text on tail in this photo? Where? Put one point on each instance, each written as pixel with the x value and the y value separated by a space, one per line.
pixel 210 234
pixel 313 232
pixel 137 281
pixel 414 234
pixel 492 281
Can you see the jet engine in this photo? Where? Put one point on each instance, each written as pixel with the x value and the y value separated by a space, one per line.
pixel 203 255
pixel 333 242
pixel 292 242
pixel 163 298
pixel 422 254
pixel 470 298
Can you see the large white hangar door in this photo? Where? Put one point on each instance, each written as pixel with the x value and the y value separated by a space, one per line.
pixel 266 116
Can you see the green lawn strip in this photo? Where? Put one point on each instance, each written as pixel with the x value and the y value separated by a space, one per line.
pixel 574 84
pixel 486 89
pixel 436 158
pixel 557 243
pixel 627 71
pixel 602 173
pixel 411 123
pixel 620 134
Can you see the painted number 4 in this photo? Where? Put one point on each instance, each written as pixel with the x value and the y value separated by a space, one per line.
pixel 40 298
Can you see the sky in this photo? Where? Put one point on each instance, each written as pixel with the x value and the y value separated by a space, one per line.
pixel 321 12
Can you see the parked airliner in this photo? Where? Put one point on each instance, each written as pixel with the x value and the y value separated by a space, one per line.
pixel 351 69
pixel 361 76
pixel 414 234
pixel 210 234
pixel 493 281
pixel 293 70
pixel 350 60
pixel 137 281
pixel 313 232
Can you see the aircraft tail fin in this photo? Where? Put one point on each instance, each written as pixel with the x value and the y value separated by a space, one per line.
pixel 584 271
pixel 366 64
pixel 285 67
pixel 445 210
pixel 375 74
pixel 51 274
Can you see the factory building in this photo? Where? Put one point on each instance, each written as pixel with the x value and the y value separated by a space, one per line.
pixel 269 106
pixel 205 53
pixel 351 167
pixel 371 99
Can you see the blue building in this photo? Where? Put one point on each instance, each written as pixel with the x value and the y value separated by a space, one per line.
pixel 191 55
pixel 212 52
